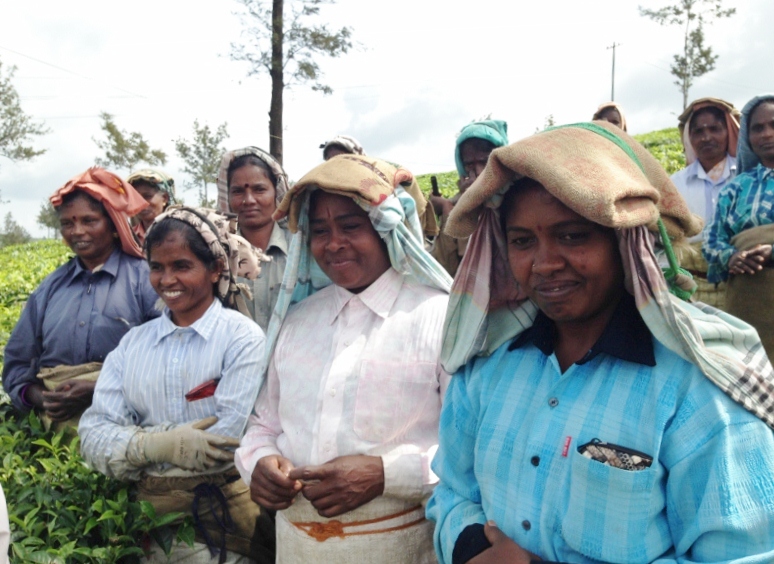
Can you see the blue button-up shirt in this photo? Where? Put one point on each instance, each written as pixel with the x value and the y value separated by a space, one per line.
pixel 77 316
pixel 510 430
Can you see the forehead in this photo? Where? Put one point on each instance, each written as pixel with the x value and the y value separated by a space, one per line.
pixel 762 113
pixel 610 112
pixel 80 205
pixel 475 149
pixel 326 205
pixel 174 246
pixel 532 205
pixel 704 118
pixel 249 174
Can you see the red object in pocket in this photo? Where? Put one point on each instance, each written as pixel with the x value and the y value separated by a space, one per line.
pixel 204 390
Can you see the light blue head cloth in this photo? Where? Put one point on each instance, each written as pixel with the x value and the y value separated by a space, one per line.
pixel 493 130
pixel 746 159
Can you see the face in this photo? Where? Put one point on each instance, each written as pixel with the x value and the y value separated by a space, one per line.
pixel 332 151
pixel 344 243
pixel 611 115
pixel 182 280
pixel 474 154
pixel 567 265
pixel 762 133
pixel 251 196
pixel 157 200
pixel 709 138
pixel 88 232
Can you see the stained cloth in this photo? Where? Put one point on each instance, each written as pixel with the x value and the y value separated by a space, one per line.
pixel 237 255
pixel 56 375
pixel 281 179
pixel 156 178
pixel 345 142
pixel 76 316
pixel 607 177
pixel 120 199
pixel 493 130
pixel 376 187
pixel 732 116
pixel 748 160
pixel 610 105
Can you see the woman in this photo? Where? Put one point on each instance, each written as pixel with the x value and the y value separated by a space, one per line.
pixel 79 313
pixel 588 420
pixel 342 434
pixel 251 184
pixel 158 189
pixel 176 392
pixel 738 246
pixel 611 113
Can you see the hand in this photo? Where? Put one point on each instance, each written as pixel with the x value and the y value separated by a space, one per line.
pixel 189 446
pixel 503 549
pixel 270 486
pixel 749 261
pixel 68 399
pixel 342 484
pixel 465 182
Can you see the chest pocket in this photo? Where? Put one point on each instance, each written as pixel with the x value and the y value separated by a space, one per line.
pixel 615 515
pixel 393 397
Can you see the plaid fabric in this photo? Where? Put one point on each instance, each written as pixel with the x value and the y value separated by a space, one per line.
pixel 280 188
pixel 727 350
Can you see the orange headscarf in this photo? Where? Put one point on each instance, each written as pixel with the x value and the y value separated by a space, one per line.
pixel 120 199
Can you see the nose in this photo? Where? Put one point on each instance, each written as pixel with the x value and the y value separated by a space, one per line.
pixel 167 278
pixel 249 197
pixel 336 240
pixel 77 228
pixel 546 260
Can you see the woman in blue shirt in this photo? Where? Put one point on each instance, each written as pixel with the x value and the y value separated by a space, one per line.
pixel 79 313
pixel 587 419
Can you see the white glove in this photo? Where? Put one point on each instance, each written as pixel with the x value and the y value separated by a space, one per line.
pixel 189 446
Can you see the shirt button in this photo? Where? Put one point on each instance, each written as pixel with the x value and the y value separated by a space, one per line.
pixel 535 460
pixel 174 360
pixel 82 323
pixel 333 392
pixel 526 524
pixel 553 402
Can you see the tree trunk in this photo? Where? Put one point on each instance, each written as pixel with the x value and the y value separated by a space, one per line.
pixel 277 82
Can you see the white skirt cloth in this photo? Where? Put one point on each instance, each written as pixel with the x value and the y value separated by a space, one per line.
pixel 385 530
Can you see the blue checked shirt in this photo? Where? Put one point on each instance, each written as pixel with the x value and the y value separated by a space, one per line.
pixel 511 426
pixel 745 202
pixel 144 381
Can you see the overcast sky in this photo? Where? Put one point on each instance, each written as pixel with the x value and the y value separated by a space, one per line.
pixel 421 71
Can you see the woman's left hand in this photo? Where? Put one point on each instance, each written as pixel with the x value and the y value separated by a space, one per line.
pixel 68 399
pixel 503 549
pixel 750 261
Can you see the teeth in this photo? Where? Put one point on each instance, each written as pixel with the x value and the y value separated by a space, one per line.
pixel 172 294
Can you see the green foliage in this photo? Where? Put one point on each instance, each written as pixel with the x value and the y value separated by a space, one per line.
pixel 666 146
pixel 125 150
pixel 16 127
pixel 447 183
pixel 13 233
pixel 202 157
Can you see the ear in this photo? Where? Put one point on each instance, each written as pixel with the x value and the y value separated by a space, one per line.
pixel 216 271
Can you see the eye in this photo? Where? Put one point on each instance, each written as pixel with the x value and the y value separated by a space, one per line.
pixel 155 267
pixel 236 191
pixel 520 241
pixel 572 237
pixel 351 226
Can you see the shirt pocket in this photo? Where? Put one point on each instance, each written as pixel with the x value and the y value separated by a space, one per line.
pixel 392 397
pixel 615 515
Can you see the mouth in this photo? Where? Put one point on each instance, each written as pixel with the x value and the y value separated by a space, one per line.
pixel 340 263
pixel 556 290
pixel 80 245
pixel 171 294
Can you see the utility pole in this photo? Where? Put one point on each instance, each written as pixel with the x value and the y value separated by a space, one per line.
pixel 612 84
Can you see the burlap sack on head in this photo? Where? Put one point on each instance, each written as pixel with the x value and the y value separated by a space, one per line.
pixel 589 174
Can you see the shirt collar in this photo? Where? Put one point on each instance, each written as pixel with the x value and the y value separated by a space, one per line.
pixel 204 326
pixel 699 172
pixel 379 297
pixel 278 239
pixel 110 267
pixel 626 336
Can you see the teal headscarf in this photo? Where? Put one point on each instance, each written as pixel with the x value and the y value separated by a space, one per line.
pixel 746 159
pixel 493 130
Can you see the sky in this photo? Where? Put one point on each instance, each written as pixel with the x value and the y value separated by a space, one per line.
pixel 419 71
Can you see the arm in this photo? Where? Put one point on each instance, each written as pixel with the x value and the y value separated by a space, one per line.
pixel 22 356
pixel 717 249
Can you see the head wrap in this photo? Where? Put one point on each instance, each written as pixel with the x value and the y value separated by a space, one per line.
pixel 238 256
pixel 607 177
pixel 349 144
pixel 156 178
pixel 281 179
pixel 493 130
pixel 746 158
pixel 120 199
pixel 375 186
pixel 732 124
pixel 610 106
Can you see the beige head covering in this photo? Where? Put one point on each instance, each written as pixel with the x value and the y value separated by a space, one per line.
pixel 281 179
pixel 732 124
pixel 610 106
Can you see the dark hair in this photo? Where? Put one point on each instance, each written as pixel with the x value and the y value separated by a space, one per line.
pixel 245 160
pixel 193 240
pixel 92 202
pixel 716 112
pixel 478 143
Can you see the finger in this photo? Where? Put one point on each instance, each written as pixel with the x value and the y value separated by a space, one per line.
pixel 220 454
pixel 221 441
pixel 205 423
pixel 318 490
pixel 309 472
pixel 285 465
pixel 333 511
pixel 492 532
pixel 325 503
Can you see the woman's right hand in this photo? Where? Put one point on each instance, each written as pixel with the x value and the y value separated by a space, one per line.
pixel 749 261
pixel 270 486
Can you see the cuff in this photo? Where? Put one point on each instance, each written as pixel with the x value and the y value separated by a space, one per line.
pixel 403 475
pixel 23 396
pixel 471 542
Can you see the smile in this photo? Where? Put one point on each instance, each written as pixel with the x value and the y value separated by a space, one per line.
pixel 171 295
pixel 556 290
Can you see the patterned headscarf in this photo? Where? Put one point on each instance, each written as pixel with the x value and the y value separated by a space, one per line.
pixel 156 178
pixel 376 187
pixel 120 199
pixel 604 175
pixel 747 159
pixel 281 179
pixel 732 124
pixel 349 144
pixel 610 106
pixel 239 258
pixel 493 130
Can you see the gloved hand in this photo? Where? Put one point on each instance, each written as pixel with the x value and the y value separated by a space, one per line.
pixel 189 446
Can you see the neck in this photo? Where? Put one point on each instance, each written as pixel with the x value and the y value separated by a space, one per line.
pixel 258 236
pixel 709 165
pixel 190 317
pixel 91 264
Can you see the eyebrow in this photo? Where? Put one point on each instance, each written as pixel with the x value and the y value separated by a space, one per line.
pixel 339 217
pixel 560 225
